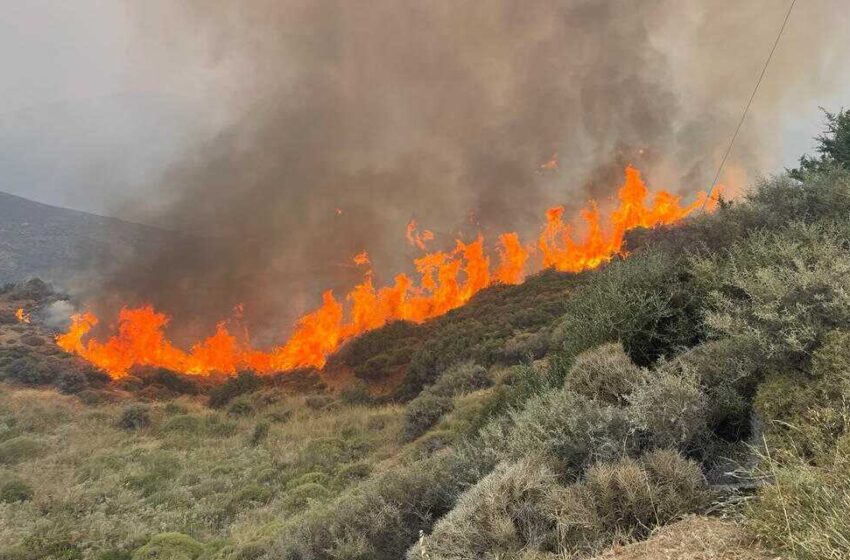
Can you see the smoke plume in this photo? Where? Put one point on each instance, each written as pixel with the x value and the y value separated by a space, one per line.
pixel 343 120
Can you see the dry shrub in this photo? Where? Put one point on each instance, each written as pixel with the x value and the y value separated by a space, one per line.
pixel 605 373
pixel 571 430
pixel 670 409
pixel 509 510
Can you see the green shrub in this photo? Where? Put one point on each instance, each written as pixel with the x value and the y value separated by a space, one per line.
pixel 352 473
pixel 19 449
pixel 134 417
pixel 169 546
pixel 183 423
pixel 508 511
pixel 526 346
pixel 779 294
pixel 357 394
pixel 803 511
pixel 422 413
pixel 727 377
pixel 379 518
pixel 243 383
pixel 316 477
pixel 217 426
pixel 605 373
pixel 567 428
pixel 261 432
pixel 13 489
pixel 240 407
pixel 303 495
pixel 463 377
pixel 670 410
pixel 645 301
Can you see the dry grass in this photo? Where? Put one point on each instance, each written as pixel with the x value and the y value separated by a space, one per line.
pixel 693 538
pixel 193 470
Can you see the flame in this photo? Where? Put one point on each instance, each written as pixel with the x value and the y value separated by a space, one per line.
pixel 551 164
pixel 446 280
pixel 22 316
pixel 418 239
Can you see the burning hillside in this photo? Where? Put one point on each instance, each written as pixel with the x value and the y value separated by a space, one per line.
pixel 447 279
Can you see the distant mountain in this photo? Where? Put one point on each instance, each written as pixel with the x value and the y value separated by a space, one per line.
pixel 58 244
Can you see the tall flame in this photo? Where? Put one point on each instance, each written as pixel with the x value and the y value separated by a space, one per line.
pixel 446 280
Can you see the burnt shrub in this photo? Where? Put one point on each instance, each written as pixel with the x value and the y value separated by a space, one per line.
pixel 245 382
pixel 134 417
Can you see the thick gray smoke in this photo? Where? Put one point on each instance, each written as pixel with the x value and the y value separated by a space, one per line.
pixel 389 110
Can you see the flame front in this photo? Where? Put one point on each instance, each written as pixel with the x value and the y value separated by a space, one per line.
pixel 446 280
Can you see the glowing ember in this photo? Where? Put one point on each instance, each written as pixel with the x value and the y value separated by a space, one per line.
pixel 22 316
pixel 446 280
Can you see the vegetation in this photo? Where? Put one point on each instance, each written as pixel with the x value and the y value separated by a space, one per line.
pixel 547 420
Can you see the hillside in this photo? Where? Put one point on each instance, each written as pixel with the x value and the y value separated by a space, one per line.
pixel 38 240
pixel 688 401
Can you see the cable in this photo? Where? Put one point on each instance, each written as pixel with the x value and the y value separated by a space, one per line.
pixel 750 102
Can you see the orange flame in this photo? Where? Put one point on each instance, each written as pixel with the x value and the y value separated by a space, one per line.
pixel 446 280
pixel 22 316
pixel 418 239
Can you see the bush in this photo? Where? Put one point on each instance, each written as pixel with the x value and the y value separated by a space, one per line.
pixel 422 413
pixel 169 546
pixel 508 511
pixel 303 495
pixel 71 382
pixel 19 449
pixel 670 410
pixel 628 499
pixel 240 408
pixel 134 417
pixel 244 382
pixel 461 378
pixel 567 428
pixel 605 373
pixel 646 301
pixel 13 489
pixel 261 432
pixel 526 346
pixel 379 518
pixel 779 294
pixel 803 511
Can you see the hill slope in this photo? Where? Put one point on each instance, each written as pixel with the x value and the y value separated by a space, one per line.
pixel 55 243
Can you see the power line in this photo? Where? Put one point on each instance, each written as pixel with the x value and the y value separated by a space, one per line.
pixel 752 96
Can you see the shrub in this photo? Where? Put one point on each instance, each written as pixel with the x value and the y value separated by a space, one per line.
pixel 422 413
pixel 629 498
pixel 19 449
pixel 463 377
pixel 13 489
pixel 526 346
pixel 803 511
pixel 779 294
pixel 356 394
pixel 134 417
pixel 244 382
pixel 240 407
pixel 508 511
pixel 185 423
pixel 379 518
pixel 166 546
pixel 71 382
pixel 727 377
pixel 261 432
pixel 605 373
pixel 670 410
pixel 570 429
pixel 303 495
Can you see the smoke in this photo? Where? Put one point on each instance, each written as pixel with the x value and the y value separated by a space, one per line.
pixel 344 120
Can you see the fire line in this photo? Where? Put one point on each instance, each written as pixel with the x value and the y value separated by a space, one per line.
pixel 447 279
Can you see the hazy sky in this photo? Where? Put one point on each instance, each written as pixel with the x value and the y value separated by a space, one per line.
pixel 91 114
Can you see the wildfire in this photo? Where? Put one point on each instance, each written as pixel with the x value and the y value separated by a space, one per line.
pixel 446 280
pixel 22 316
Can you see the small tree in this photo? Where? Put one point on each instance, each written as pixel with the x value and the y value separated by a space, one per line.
pixel 833 146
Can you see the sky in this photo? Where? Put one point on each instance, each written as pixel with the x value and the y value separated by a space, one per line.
pixel 95 105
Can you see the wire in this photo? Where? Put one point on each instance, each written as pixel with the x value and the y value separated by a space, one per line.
pixel 750 101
